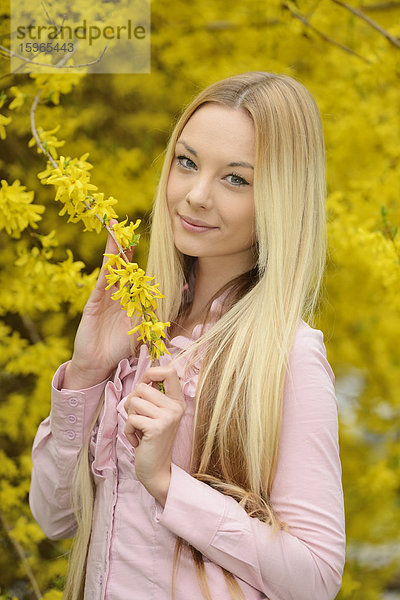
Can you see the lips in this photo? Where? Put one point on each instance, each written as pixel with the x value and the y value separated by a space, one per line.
pixel 195 225
pixel 196 222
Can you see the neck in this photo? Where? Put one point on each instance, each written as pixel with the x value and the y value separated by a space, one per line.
pixel 211 276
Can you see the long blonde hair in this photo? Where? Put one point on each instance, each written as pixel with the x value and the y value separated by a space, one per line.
pixel 238 413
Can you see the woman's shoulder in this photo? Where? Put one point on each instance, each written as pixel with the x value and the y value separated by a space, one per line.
pixel 308 352
pixel 308 338
pixel 309 391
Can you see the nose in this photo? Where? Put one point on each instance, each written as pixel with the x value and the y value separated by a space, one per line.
pixel 199 195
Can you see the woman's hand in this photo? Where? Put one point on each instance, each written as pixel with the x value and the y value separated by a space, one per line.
pixel 101 340
pixel 151 427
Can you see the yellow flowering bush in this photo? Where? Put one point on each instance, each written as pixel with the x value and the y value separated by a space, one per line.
pixel 16 209
pixel 47 268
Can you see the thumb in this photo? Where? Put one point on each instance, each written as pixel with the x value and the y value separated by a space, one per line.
pixel 111 246
pixel 129 253
pixel 168 376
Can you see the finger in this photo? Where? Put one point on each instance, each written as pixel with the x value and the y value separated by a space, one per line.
pixel 133 438
pixel 129 253
pixel 111 246
pixel 136 424
pixel 168 376
pixel 141 406
pixel 136 436
pixel 146 391
pixel 133 435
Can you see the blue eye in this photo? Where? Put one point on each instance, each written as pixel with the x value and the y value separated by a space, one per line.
pixel 237 180
pixel 180 160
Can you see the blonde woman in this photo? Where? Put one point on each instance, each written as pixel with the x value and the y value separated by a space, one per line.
pixel 229 484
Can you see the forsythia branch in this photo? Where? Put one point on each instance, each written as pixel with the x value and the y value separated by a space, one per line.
pixel 55 165
pixel 322 35
pixel 355 11
pixel 136 296
pixel 21 554
pixel 10 53
pixel 30 326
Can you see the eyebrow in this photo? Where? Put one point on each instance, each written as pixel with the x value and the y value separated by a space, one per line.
pixel 238 163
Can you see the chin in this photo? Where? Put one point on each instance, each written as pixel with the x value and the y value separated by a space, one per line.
pixel 184 247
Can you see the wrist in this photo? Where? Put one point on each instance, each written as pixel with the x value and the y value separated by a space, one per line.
pixel 159 486
pixel 78 378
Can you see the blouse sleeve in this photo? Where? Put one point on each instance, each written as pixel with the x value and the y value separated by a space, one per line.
pixel 55 451
pixel 306 561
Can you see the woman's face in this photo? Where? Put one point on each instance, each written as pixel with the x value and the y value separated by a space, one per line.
pixel 210 186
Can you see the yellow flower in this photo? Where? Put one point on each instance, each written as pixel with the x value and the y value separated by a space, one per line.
pixel 125 235
pixel 158 328
pixel 71 178
pixel 16 209
pixel 138 298
pixel 48 243
pixel 49 141
pixel 4 121
pixel 19 98
pixel 98 206
pixel 54 84
pixel 151 333
pixel 157 349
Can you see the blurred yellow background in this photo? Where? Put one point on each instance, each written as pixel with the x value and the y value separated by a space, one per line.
pixel 348 56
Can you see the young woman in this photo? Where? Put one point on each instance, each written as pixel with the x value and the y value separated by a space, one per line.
pixel 229 484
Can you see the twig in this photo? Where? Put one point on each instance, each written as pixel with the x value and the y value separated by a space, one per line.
pixel 56 166
pixel 35 133
pixel 382 6
pixel 224 25
pixel 21 554
pixel 325 37
pixel 58 65
pixel 30 326
pixel 313 9
pixel 21 66
pixel 355 11
pixel 146 316
pixel 50 19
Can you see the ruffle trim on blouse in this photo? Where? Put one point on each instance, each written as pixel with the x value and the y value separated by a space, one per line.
pixel 102 438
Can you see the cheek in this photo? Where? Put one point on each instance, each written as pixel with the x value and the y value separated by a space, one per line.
pixel 245 221
pixel 172 192
pixel 170 203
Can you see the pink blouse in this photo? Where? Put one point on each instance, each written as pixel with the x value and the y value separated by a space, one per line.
pixel 133 536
